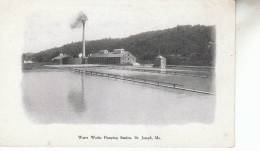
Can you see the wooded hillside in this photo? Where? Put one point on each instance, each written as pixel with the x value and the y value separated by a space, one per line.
pixel 181 45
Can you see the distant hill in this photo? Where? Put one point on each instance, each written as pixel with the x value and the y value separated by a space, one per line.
pixel 182 45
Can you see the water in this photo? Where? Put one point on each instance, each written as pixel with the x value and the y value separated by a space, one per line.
pixel 67 97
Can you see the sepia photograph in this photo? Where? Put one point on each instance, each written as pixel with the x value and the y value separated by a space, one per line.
pixel 127 66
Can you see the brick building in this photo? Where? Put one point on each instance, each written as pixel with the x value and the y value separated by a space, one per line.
pixel 117 56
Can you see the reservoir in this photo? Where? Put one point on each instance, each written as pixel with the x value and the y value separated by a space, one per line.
pixel 60 96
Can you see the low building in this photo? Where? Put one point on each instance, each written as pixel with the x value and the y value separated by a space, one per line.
pixel 117 56
pixel 160 62
pixel 62 59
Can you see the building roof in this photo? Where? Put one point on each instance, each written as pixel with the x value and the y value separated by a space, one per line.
pixel 118 51
pixel 113 54
pixel 160 57
pixel 103 51
pixel 121 49
pixel 61 57
pixel 106 55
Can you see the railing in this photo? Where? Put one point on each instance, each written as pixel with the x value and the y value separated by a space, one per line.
pixel 138 80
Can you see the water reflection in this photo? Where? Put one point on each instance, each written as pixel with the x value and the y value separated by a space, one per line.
pixel 77 98
pixel 65 97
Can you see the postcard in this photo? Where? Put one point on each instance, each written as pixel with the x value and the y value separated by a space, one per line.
pixel 128 73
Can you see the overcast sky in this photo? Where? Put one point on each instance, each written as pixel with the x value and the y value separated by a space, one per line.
pixel 47 24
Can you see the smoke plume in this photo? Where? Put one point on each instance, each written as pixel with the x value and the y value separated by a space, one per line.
pixel 80 19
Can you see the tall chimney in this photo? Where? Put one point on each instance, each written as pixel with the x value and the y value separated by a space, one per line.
pixel 83 41
pixel 81 19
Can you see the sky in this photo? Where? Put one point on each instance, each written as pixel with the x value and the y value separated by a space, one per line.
pixel 48 25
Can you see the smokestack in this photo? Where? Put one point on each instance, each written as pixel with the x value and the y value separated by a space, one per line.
pixel 81 19
pixel 83 41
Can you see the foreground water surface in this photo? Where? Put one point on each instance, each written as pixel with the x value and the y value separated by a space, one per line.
pixel 65 97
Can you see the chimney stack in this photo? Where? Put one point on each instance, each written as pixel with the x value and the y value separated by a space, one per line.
pixel 83 41
pixel 81 19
